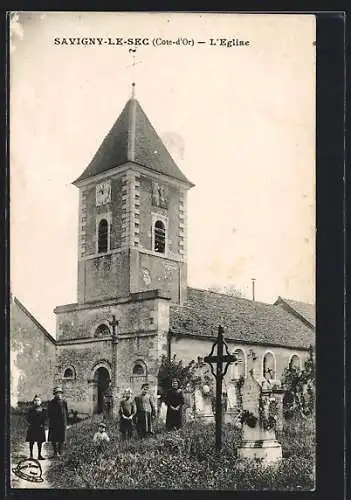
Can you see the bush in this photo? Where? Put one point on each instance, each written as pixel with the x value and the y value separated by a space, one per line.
pixel 298 438
pixel 182 459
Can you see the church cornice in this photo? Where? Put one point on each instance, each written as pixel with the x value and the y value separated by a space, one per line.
pixel 133 297
pixel 119 170
pixel 172 257
pixel 121 337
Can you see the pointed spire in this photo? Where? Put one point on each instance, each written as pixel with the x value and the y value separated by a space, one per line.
pixel 133 138
pixel 131 126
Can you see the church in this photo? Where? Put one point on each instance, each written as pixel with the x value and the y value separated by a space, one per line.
pixel 134 305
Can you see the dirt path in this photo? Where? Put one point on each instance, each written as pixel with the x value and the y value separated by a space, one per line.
pixel 22 453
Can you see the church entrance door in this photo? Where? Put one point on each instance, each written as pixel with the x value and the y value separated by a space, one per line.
pixel 101 379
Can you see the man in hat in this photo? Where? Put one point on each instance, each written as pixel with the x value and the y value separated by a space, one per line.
pixel 145 412
pixel 58 414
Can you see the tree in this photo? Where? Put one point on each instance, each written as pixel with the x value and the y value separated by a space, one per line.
pixel 196 373
pixel 300 388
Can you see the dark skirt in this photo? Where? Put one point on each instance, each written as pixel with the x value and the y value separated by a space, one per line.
pixel 144 423
pixel 35 434
pixel 57 434
pixel 125 425
pixel 173 419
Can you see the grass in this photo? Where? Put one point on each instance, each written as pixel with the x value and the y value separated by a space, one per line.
pixel 182 459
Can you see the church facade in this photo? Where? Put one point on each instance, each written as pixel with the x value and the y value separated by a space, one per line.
pixel 132 277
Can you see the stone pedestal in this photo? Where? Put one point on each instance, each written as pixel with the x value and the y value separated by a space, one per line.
pixel 259 444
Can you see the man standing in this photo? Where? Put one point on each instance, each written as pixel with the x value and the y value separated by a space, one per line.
pixel 145 412
pixel 58 414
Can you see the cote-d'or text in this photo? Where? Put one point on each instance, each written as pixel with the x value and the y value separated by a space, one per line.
pixel 155 42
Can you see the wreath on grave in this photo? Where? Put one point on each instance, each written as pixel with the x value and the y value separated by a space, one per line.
pixel 248 418
pixel 268 413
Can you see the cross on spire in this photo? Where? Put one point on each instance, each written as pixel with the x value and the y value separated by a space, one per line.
pixel 134 63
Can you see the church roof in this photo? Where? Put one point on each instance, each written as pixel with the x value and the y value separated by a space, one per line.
pixel 133 138
pixel 303 310
pixel 18 303
pixel 243 320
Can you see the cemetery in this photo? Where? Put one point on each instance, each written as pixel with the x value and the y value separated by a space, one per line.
pixel 259 447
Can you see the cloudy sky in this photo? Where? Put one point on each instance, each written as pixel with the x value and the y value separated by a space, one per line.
pixel 242 120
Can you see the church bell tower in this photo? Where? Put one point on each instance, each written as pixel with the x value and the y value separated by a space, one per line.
pixel 132 215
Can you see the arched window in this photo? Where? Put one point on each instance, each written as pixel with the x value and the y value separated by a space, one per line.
pixel 103 236
pixel 269 366
pixel 138 369
pixel 294 363
pixel 139 376
pixel 239 366
pixel 69 373
pixel 102 331
pixel 159 237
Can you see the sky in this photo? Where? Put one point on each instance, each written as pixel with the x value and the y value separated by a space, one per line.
pixel 238 120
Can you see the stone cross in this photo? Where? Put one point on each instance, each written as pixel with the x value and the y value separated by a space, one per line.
pixel 114 324
pixel 218 360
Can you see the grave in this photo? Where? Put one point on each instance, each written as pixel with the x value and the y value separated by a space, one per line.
pixel 203 406
pixel 261 407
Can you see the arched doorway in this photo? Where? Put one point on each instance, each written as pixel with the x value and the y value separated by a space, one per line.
pixel 101 382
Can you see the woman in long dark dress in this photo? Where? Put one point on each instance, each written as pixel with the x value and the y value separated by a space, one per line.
pixel 36 417
pixel 174 400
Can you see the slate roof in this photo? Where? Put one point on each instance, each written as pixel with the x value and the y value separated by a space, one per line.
pixel 133 138
pixel 243 320
pixel 303 310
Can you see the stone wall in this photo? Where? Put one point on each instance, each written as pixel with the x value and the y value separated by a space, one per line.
pixel 142 333
pixel 32 356
pixel 135 314
pixel 106 276
pixel 84 359
pixel 165 274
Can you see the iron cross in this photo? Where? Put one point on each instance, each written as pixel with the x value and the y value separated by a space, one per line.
pixel 219 360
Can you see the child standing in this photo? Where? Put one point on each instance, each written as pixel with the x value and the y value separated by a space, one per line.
pixel 127 410
pixel 36 417
pixel 101 435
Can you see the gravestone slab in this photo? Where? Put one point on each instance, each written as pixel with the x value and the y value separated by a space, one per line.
pixel 203 407
pixel 257 442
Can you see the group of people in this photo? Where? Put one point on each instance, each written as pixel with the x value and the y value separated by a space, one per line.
pixel 141 411
pixel 134 413
pixel 57 414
